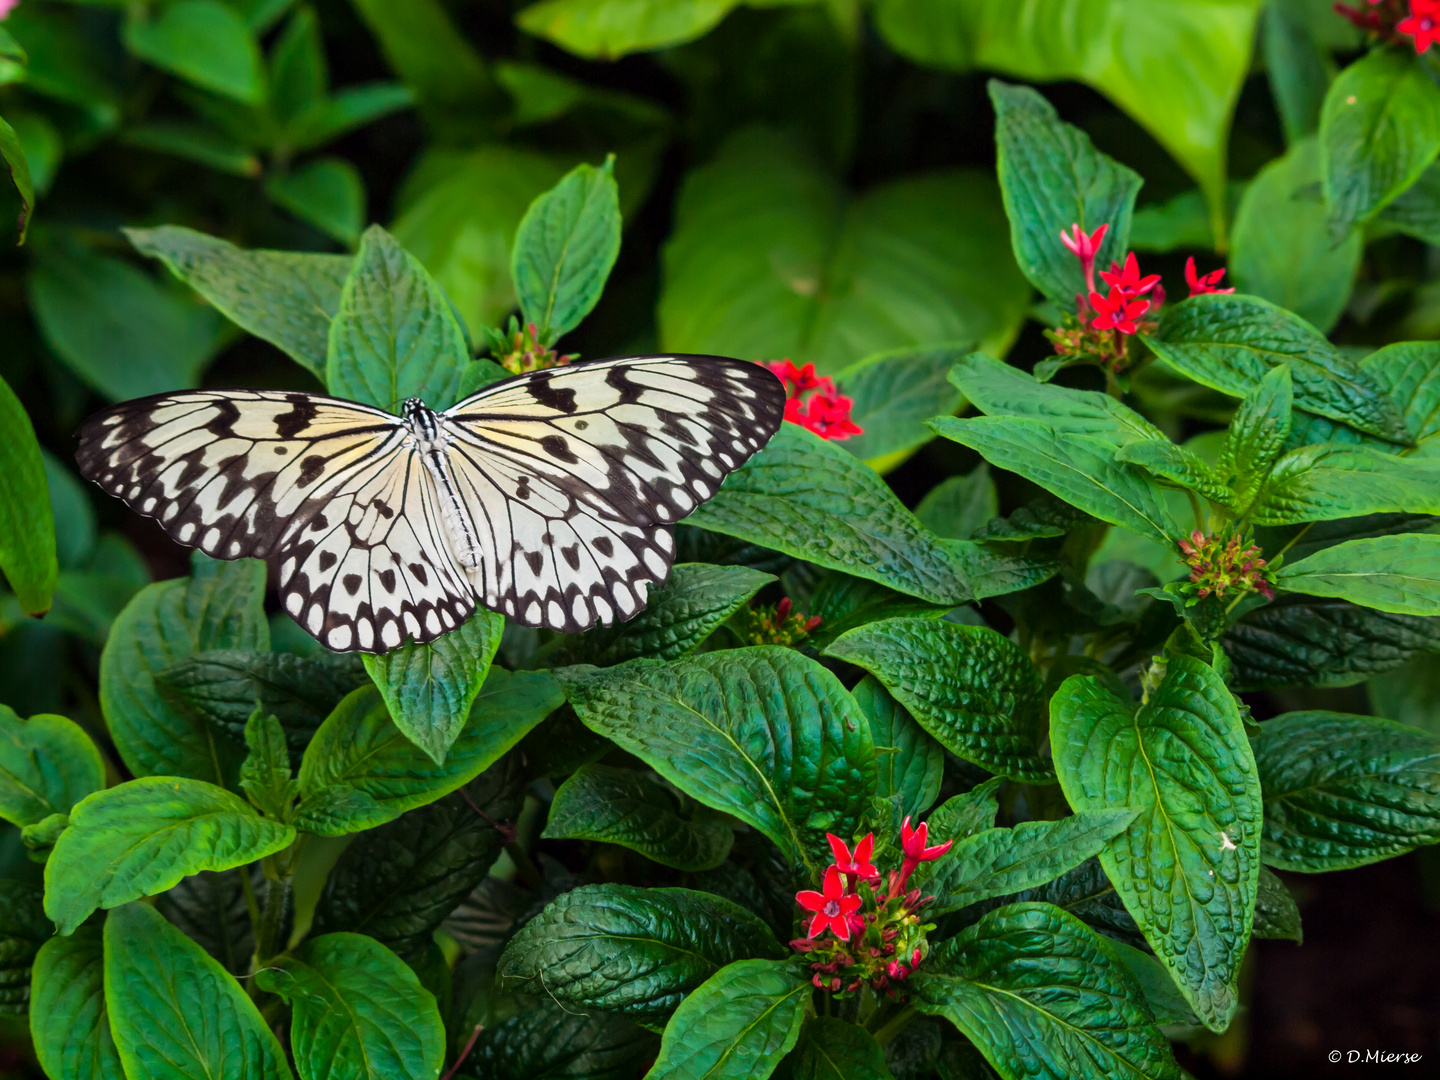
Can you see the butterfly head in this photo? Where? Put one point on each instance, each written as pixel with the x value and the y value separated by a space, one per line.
pixel 424 424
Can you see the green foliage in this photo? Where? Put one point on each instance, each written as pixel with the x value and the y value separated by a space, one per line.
pixel 1390 573
pixel 68 1017
pixel 47 765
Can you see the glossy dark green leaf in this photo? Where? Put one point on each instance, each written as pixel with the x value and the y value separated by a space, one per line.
pixel 1084 892
pixel 565 247
pixel 1329 481
pixel 1409 373
pixel 832 1049
pixel 626 807
pixel 18 166
pixel 286 297
pixel 429 689
pixel 142 837
pixel 638 952
pixel 397 883
pixel 763 733
pixel 1379 130
pixel 1187 866
pixel 842 603
pixel 776 498
pixel 1167 1003
pixel 219 607
pixel 959 505
pixel 359 1012
pixel 894 393
pixel 1044 996
pixel 175 1013
pixel 360 749
pixel 394 336
pixel 971 688
pixel 1343 791
pixel 27 529
pixel 548 1042
pixel 265 772
pixel 212 911
pixel 1399 574
pixel 327 193
pixel 203 41
pixel 1277 916
pixel 1052 177
pixel 68 1020
pixel 1175 465
pixel 966 814
pixel 908 762
pixel 47 765
pixel 23 930
pixel 1229 342
pixel 677 618
pixel 1257 434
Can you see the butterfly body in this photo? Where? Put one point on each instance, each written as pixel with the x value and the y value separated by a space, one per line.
pixel 548 496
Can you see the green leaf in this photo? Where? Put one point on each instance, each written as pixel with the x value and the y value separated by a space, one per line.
pixel 909 763
pixel 1299 69
pixel 565 247
pixel 967 814
pixel 27 527
pixel 398 883
pixel 286 297
pixel 68 1021
pixel 634 951
pixel 968 686
pixel 197 143
pixel 1257 434
pixel 1344 791
pixel 219 607
pixel 211 909
pixel 622 806
pixel 1183 761
pixel 1080 469
pixel 1166 1002
pixel 203 41
pixel 1379 130
pixel 1409 374
pixel 1328 481
pixel 299 76
pixel 1180 222
pixel 1399 574
pixel 770 258
pixel 842 603
pixel 894 393
pixel 1084 892
pixel 47 765
pixel 394 336
pixel 958 506
pixel 359 1012
pixel 676 620
pixel 997 862
pixel 175 1013
pixel 344 111
pixel 1282 250
pixel 548 1042
pixel 265 773
pixel 776 498
pixel 359 748
pixel 23 930
pixel 72 511
pixel 763 733
pixel 1229 342
pixel 1186 104
pixel 121 331
pixel 740 1023
pixel 832 1049
pixel 13 155
pixel 607 29
pixel 1277 916
pixel 1177 466
pixel 327 193
pixel 1416 211
pixel 1053 178
pixel 142 837
pixel 429 689
pixel 1044 996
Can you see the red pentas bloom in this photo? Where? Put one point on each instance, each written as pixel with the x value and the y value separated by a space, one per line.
pixel 825 411
pixel 1128 280
pixel 832 907
pixel 912 842
pixel 1118 311
pixel 1085 246
pixel 1200 284
pixel 1423 23
pixel 856 865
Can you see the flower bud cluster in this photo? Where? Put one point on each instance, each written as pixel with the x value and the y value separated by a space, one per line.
pixel 813 402
pixel 519 349
pixel 778 625
pixel 1219 565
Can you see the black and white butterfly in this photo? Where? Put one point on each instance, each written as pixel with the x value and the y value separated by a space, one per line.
pixel 549 496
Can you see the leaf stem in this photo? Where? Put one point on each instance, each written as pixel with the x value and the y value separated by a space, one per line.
pixel 465 1053
pixel 528 871
pixel 896 1024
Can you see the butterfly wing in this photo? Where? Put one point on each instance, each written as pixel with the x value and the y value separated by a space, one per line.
pixel 573 476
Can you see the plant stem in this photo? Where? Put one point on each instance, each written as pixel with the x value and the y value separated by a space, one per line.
pixel 1195 509
pixel 528 871
pixel 272 920
pixel 894 1025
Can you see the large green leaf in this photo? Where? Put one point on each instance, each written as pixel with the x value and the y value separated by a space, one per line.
pixel 1343 791
pixel 18 166
pixel 1187 866
pixel 23 930
pixel 1044 997
pixel 359 1012
pixel 1084 892
pixel 47 765
pixel 429 689
pixel 1257 434
pixel 1399 574
pixel 776 498
pixel 286 297
pixel 1329 481
pixel 770 258
pixel 549 1042
pixel 1409 373
pixel 634 951
pixel 607 29
pixel 968 686
pixel 142 837
pixel 622 806
pixel 1282 250
pixel 832 1049
pixel 894 393
pixel 909 763
pixel 27 526
pixel 359 752
pixel 1299 70
pixel 763 733
pixel 68 1021
pixel 1185 103
pixel 1379 130
pixel 219 607
pixel 203 41
pixel 394 336
pixel 1052 179
pixel 327 193
pixel 739 1024
pixel 210 907
pixel 1229 342
pixel 175 1013
pixel 1416 211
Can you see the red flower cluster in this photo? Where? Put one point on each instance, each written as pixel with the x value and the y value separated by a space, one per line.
pixel 1396 20
pixel 1203 283
pixel 826 412
pixel 878 938
pixel 780 625
pixel 1218 565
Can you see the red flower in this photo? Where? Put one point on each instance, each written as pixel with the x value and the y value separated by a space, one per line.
pixel 799 380
pixel 832 908
pixel 1423 23
pixel 856 865
pixel 825 413
pixel 1128 280
pixel 1117 312
pixel 912 843
pixel 1084 246
pixel 1205 283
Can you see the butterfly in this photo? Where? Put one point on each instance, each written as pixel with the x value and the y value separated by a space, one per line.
pixel 549 496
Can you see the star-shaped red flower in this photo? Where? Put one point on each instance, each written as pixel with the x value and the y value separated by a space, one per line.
pixel 1117 311
pixel 832 908
pixel 856 864
pixel 1423 24
pixel 1203 283
pixel 1128 280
